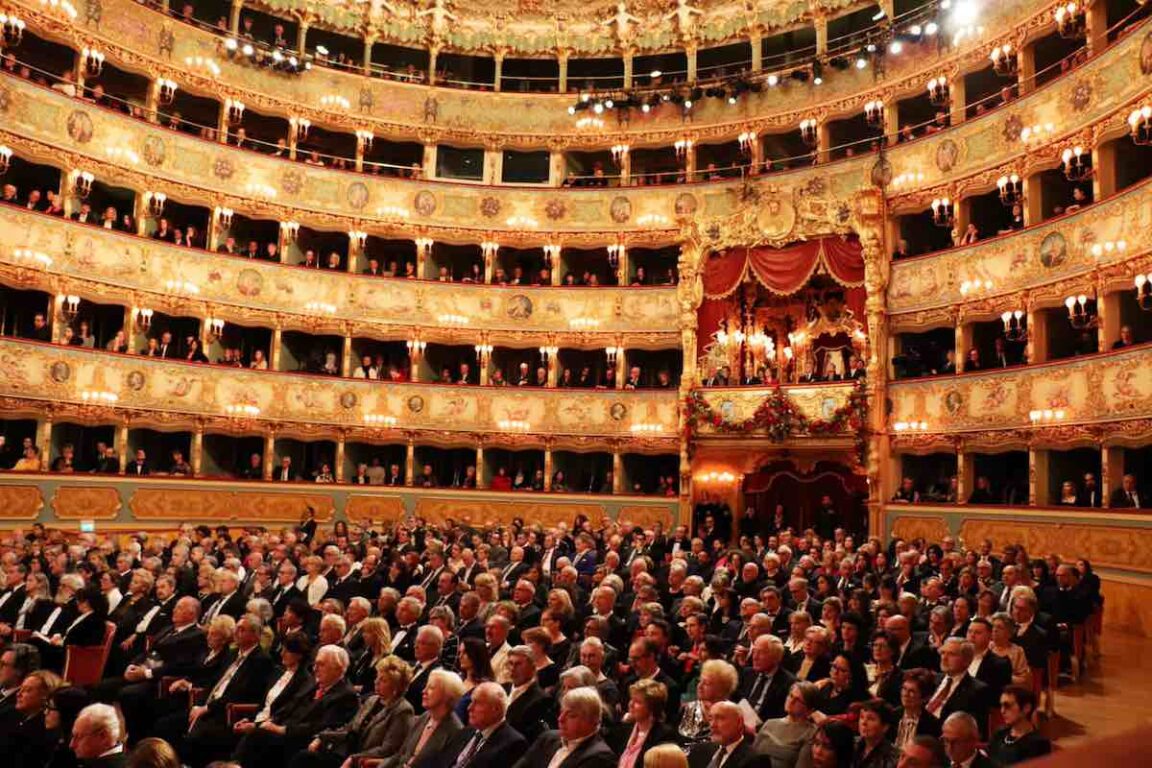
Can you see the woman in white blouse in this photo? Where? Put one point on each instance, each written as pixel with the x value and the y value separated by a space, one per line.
pixel 312 583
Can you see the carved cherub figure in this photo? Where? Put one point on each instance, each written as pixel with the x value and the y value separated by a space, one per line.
pixel 685 15
pixel 623 22
pixel 439 17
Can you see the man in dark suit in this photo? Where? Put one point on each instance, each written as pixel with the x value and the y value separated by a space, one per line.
pixel 992 670
pixel 961 737
pixel 1127 496
pixel 284 473
pixel 1089 495
pixel 578 738
pixel 765 686
pixel 528 708
pixel 230 602
pixel 488 742
pixel 524 596
pixel 329 702
pixel 96 738
pixel 12 598
pixel 914 651
pixel 404 636
pixel 727 725
pixel 205 734
pixel 644 657
pixel 284 591
pixel 16 662
pixel 1033 638
pixel 513 570
pixel 426 651
pixel 139 466
pixel 956 690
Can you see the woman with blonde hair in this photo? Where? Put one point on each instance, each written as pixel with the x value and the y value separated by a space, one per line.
pixel 377 639
pixel 718 681
pixel 153 753
pixel 312 583
pixel 665 756
pixel 377 730
pixel 644 728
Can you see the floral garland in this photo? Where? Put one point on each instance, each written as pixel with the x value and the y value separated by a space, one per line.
pixel 779 416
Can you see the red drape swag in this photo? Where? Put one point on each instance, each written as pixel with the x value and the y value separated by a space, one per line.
pixel 781 270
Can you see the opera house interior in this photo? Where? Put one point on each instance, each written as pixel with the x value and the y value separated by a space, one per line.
pixel 475 375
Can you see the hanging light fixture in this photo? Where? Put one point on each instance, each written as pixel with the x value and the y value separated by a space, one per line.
pixel 1140 125
pixel 943 213
pixel 93 62
pixel 938 91
pixel 1004 62
pixel 357 239
pixel 809 131
pixel 5 158
pixel 1014 325
pixel 1144 291
pixel 874 113
pixel 619 152
pixel 290 229
pixel 165 90
pixel 12 29
pixel 1071 21
pixel 682 147
pixel 234 109
pixel 1080 315
pixel 365 137
pixel 747 140
pixel 1011 189
pixel 224 216
pixel 1076 166
pixel 82 181
pixel 301 126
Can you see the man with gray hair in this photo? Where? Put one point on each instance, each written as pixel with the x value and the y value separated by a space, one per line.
pixel 230 602
pixel 527 704
pixel 329 702
pixel 96 737
pixel 961 737
pixel 488 741
pixel 957 690
pixel 577 742
pixel 17 661
pixel 426 651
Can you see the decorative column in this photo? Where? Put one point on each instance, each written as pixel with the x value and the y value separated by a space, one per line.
pixel 622 266
pixel 234 17
pixel 1037 476
pixel 1108 314
pixel 1037 346
pixel 617 472
pixel 965 471
pixel 56 319
pixel 870 207
pixel 621 364
pixel 690 53
pixel 368 43
pixel 499 61
pixel 1103 170
pixel 293 139
pixel 341 444
pixel 410 461
pixel 277 345
pixel 122 446
pixel 44 441
pixel 556 167
pixel 269 454
pixel 547 467
pixel 1032 209
pixel 1096 27
pixel 823 141
pixel 690 163
pixel 197 457
pixel 152 101
pixel 963 341
pixel 346 357
pixel 628 56
pixel 480 481
pixel 493 165
pixel 552 253
pixel 429 161
pixel 1111 471
pixel 757 51
pixel 361 147
pixel 301 37
pixel 433 54
pixel 959 98
pixel 689 294
pixel 1026 68
pixel 423 251
pixel 821 22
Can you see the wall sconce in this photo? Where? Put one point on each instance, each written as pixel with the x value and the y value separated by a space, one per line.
pixel 13 30
pixel 547 352
pixel 616 252
pixel 123 155
pixel 182 287
pixel 1080 315
pixel 619 152
pixel 99 397
pixel 1106 249
pixel 5 158
pixel 652 220
pixel 393 212
pixel 70 307
pixel 1144 291
pixel 943 212
pixel 910 426
pixel 290 229
pixel 1011 189
pixel 938 92
pixel 1014 325
pixel 301 125
pixel 645 428
pixel 1070 21
pixel 1036 133
pixel 378 420
pixel 809 132
pixel 234 110
pixel 82 183
pixel 357 239
pixel 1004 62
pixel 142 317
pixel 908 179
pixel 224 216
pixel 510 425
pixel 583 323
pixel 202 64
pixel 365 138
pixel 334 101
pixel 718 478
pixel 93 62
pixel 1045 416
pixel 747 140
pixel 613 353
pixel 522 222
pixel 488 249
pixel 165 90
pixel 682 147
pixel 974 286
pixel 874 113
pixel 31 258
pixel 450 319
pixel 155 202
pixel 1076 166
pixel 214 328
pixel 551 254
pixel 1140 125
pixel 320 308
pixel 483 351
pixel 416 347
pixel 423 244
pixel 242 410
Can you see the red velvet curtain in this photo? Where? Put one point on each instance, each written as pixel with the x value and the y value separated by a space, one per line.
pixel 780 483
pixel 785 270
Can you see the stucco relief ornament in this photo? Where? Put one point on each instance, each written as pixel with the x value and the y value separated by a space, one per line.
pixel 154 150
pixel 1012 126
pixel 623 22
pixel 367 99
pixel 80 127
pixel 555 209
pixel 438 17
pixel 948 153
pixel 490 207
pixel 5 99
pixel 685 16
pixel 94 12
pixel 1082 96
pixel 292 181
pixel 424 203
pixel 223 169
pixel 167 41
pixel 358 195
pixel 620 209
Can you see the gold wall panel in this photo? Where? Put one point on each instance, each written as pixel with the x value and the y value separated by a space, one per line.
pixel 150 43
pixel 646 516
pixel 86 503
pixel 739 404
pixel 58 375
pixel 1037 256
pixel 931 529
pixel 1107 546
pixel 201 504
pixel 20 502
pixel 1102 388
pixel 1127 606
pixel 486 511
pixel 362 508
pixel 257 290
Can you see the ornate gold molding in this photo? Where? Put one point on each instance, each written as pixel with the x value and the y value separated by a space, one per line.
pixel 86 503
pixel 202 504
pixel 20 502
